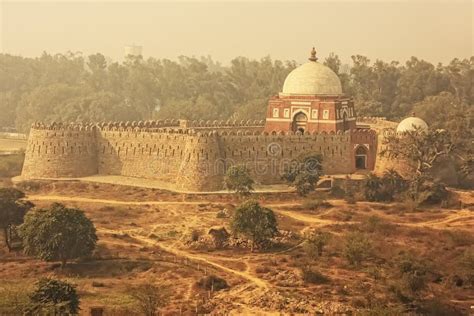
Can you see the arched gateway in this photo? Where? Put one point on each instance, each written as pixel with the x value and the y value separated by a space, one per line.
pixel 299 122
pixel 361 157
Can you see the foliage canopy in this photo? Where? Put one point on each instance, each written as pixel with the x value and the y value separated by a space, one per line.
pixel 254 222
pixel 237 178
pixel 12 211
pixel 55 297
pixel 303 174
pixel 58 234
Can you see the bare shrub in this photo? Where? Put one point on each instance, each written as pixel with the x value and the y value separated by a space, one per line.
pixel 315 204
pixel 311 275
pixel 212 283
pixel 150 298
pixel 357 248
pixel 195 234
pixel 315 242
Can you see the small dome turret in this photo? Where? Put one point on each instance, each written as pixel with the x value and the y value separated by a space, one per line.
pixel 411 123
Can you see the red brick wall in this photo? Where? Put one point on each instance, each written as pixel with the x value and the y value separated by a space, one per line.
pixel 320 103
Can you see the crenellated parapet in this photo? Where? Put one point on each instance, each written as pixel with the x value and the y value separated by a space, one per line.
pixel 371 119
pixel 151 124
pixel 193 155
pixel 59 150
pixel 222 124
pixel 386 132
pixel 54 126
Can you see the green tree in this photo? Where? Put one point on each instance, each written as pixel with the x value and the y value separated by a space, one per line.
pixel 333 62
pixel 98 71
pixel 12 211
pixel 420 149
pixel 418 80
pixel 254 222
pixel 58 234
pixel 448 112
pixel 54 297
pixel 304 174
pixel 237 178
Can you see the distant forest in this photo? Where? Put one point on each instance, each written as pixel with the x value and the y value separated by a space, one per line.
pixel 70 87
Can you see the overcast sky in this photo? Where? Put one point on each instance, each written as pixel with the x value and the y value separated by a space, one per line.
pixel 389 30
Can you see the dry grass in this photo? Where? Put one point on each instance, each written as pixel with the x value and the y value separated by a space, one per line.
pixel 122 260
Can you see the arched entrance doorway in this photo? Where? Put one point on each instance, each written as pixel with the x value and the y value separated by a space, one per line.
pixel 299 122
pixel 361 157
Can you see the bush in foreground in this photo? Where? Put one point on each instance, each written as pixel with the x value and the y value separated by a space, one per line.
pixel 385 188
pixel 310 275
pixel 54 297
pixel 357 248
pixel 315 242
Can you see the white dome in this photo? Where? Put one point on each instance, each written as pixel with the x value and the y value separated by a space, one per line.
pixel 410 124
pixel 312 78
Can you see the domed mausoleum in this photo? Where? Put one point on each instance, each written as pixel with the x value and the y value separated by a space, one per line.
pixel 311 101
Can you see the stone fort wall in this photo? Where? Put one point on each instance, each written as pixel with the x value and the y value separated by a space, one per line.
pixel 192 155
pixel 56 152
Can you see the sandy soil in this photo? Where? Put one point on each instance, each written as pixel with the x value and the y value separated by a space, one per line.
pixel 142 234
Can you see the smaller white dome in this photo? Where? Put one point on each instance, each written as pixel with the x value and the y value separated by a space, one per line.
pixel 410 124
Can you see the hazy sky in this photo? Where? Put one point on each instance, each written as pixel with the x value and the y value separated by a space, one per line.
pixel 389 30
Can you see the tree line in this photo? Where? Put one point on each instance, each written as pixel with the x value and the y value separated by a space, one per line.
pixel 71 87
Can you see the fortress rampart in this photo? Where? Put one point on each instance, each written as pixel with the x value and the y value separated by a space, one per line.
pixel 61 151
pixel 192 155
pixel 385 163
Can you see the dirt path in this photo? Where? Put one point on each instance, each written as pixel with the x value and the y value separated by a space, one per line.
pixel 463 215
pixel 62 198
pixel 460 218
pixel 257 281
pixel 191 256
pixel 59 198
pixel 305 218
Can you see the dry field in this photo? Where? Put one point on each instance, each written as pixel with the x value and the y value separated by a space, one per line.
pixel 144 233
pixel 7 144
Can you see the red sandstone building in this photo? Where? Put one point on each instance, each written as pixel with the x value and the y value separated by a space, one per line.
pixel 311 101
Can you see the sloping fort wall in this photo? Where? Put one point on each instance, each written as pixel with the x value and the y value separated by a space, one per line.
pixel 194 158
pixel 57 152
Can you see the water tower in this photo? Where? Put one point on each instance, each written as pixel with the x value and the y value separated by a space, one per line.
pixel 133 50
